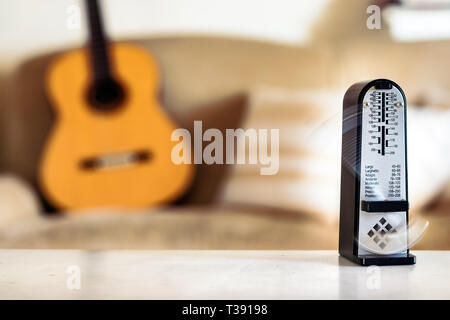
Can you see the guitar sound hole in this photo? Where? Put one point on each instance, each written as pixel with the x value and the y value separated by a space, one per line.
pixel 106 95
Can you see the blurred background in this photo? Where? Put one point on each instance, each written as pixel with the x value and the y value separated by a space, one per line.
pixel 254 64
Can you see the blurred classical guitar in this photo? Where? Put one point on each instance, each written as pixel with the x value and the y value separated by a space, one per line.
pixel 110 145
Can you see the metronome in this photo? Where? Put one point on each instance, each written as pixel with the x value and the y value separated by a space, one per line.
pixel 373 226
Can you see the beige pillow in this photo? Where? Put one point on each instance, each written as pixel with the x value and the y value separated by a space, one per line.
pixel 308 179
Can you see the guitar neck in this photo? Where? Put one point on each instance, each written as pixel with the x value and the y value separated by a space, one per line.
pixel 98 43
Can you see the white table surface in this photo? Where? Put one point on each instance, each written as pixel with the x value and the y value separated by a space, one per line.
pixel 42 274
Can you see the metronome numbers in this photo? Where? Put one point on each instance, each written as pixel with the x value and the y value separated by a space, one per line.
pixel 394 189
pixel 383 120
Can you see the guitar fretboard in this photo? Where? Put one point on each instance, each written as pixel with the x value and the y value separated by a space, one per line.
pixel 98 43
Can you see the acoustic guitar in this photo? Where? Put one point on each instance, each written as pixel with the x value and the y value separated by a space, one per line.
pixel 111 143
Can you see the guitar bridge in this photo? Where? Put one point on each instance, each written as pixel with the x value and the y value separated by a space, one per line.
pixel 109 161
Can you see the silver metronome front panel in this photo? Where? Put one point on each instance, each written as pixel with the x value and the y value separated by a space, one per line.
pixel 383 171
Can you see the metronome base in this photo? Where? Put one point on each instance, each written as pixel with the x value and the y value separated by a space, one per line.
pixel 383 260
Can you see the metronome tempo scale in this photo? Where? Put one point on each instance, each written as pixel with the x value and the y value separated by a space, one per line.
pixel 374 190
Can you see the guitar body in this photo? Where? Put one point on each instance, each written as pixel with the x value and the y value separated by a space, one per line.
pixel 115 158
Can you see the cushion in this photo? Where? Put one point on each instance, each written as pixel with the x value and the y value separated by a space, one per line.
pixel 308 179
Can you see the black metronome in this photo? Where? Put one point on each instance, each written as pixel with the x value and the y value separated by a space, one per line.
pixel 373 227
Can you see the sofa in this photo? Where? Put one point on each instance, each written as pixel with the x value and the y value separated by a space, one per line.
pixel 225 82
